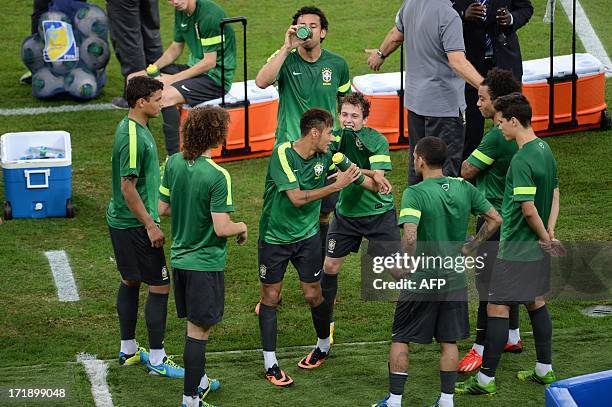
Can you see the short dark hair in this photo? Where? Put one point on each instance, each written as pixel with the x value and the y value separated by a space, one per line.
pixel 514 105
pixel 433 150
pixel 356 99
pixel 311 10
pixel 141 87
pixel 501 82
pixel 205 127
pixel 315 119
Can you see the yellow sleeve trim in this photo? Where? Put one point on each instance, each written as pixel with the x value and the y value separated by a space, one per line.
pixel 410 212
pixel 273 55
pixel 282 155
pixel 380 159
pixel 344 88
pixel 207 42
pixel 483 157
pixel 524 190
pixel 133 143
pixel 228 180
pixel 164 191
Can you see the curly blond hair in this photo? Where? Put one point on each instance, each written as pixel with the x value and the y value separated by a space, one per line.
pixel 205 127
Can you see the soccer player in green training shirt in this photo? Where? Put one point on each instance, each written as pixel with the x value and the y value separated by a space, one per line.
pixel 289 232
pixel 196 24
pixel 198 194
pixel 520 276
pixel 133 222
pixel 360 213
pixel 435 213
pixel 308 76
pixel 488 165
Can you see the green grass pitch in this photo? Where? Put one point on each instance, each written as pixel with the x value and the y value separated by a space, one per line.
pixel 40 337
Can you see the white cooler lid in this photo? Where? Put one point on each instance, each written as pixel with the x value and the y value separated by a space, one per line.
pixel 255 94
pixel 13 146
pixel 536 70
pixel 378 83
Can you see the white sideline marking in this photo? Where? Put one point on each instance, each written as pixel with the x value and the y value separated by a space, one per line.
pixel 587 35
pixel 62 274
pixel 96 371
pixel 55 109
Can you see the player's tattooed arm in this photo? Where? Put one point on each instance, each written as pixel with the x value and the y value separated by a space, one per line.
pixel 492 222
pixel 136 206
pixel 468 171
pixel 409 239
pixel 344 178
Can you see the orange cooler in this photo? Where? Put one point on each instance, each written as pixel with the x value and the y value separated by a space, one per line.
pixel 590 98
pixel 263 109
pixel 381 90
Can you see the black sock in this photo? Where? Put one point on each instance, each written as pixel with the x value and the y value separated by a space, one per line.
pixel 447 382
pixel 323 228
pixel 156 309
pixel 194 358
pixel 541 325
pixel 329 287
pixel 127 310
pixel 497 335
pixel 481 323
pixel 320 319
pixel 172 122
pixel 267 327
pixel 514 316
pixel 397 382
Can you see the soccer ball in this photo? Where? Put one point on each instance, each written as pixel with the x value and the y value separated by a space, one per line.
pixel 45 84
pixel 32 52
pixel 51 16
pixel 81 84
pixel 91 20
pixel 61 68
pixel 94 52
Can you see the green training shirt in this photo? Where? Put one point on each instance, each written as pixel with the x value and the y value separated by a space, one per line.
pixel 305 85
pixel 194 189
pixel 441 208
pixel 281 222
pixel 368 149
pixel 134 154
pixel 532 176
pixel 492 158
pixel 202 34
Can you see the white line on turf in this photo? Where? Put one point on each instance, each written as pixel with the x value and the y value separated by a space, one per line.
pixel 96 371
pixel 62 274
pixel 587 35
pixel 55 109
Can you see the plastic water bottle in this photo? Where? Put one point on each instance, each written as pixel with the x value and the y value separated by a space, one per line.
pixel 344 163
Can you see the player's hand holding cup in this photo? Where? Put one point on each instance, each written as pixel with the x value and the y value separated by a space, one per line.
pixel 291 40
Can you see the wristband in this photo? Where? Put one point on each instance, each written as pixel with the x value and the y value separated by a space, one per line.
pixel 380 54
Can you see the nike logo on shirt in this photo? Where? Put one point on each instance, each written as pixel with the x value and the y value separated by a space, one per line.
pixel 296 73
pixel 183 25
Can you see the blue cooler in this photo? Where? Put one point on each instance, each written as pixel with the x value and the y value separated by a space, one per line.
pixel 37 171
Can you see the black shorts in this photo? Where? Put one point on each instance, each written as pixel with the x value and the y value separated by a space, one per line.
pixel 420 321
pixel 196 90
pixel 136 259
pixel 519 282
pixel 488 251
pixel 305 256
pixel 345 234
pixel 328 204
pixel 199 295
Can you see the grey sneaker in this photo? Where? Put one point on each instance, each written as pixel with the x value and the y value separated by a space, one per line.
pixel 120 103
